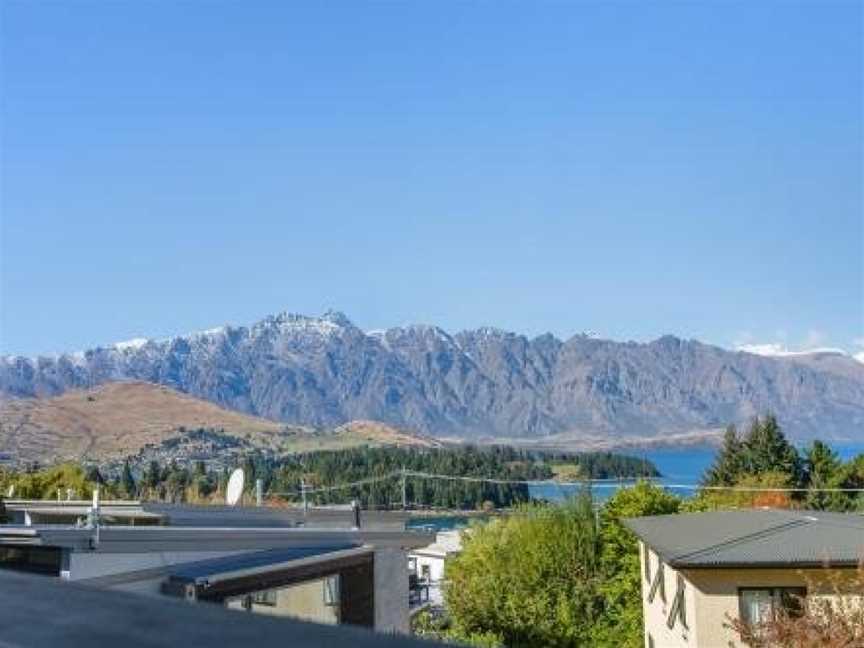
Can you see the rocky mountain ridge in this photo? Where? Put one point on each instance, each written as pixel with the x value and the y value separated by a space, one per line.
pixel 483 383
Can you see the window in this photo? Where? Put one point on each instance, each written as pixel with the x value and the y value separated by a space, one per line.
pixel 331 591
pixel 646 559
pixel 425 572
pixel 761 604
pixel 264 597
pixel 659 584
pixel 679 607
pixel 39 560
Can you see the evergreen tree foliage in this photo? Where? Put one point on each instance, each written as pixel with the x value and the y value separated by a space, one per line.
pixel 764 448
pixel 332 468
pixel 127 481
pixel 767 449
pixel 765 459
pixel 822 466
pixel 729 462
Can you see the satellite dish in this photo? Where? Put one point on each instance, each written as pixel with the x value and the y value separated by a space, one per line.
pixel 235 487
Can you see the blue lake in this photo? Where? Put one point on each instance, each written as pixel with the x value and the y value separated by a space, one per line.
pixel 680 469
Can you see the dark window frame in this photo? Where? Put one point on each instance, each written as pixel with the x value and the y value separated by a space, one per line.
pixel 646 559
pixel 658 584
pixel 265 597
pixel 32 559
pixel 776 592
pixel 679 606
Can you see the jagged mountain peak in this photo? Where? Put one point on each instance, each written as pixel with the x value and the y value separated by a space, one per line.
pixel 476 383
pixel 337 317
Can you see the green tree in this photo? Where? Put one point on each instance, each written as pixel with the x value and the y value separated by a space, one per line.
pixel 822 466
pixel 127 481
pixel 529 579
pixel 764 448
pixel 851 475
pixel 767 449
pixel 152 476
pixel 729 461
pixel 620 586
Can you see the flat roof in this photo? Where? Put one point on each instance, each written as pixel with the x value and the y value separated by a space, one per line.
pixel 238 565
pixel 120 539
pixel 45 613
pixel 272 516
pixel 753 538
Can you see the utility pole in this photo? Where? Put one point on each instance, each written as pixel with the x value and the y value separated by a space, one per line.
pixel 259 492
pixel 404 490
pixel 93 519
pixel 303 493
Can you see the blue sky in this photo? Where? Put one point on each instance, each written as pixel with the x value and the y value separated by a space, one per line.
pixel 631 168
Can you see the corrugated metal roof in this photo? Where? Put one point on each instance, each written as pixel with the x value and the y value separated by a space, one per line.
pixel 753 538
pixel 207 570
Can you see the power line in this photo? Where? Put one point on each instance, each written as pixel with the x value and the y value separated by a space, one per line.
pixel 327 489
pixel 592 483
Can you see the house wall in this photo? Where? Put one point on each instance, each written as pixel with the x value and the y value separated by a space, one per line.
pixel 391 591
pixel 435 564
pixel 717 593
pixel 304 601
pixel 657 612
pixel 711 599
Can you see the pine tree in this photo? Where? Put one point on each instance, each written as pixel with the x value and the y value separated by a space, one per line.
pixel 766 449
pixel 822 467
pixel 127 481
pixel 729 463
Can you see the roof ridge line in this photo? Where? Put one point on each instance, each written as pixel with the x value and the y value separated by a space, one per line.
pixel 743 539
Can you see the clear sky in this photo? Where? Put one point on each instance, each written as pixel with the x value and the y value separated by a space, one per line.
pixel 629 168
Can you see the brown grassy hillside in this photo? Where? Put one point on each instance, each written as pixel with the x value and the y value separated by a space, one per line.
pixel 118 419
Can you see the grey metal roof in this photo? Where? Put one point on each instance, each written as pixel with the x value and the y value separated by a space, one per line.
pixel 753 538
pixel 247 563
pixel 115 539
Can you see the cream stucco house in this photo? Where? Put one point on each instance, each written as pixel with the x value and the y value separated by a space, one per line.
pixel 700 570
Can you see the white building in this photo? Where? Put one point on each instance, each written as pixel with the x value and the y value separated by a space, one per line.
pixel 427 565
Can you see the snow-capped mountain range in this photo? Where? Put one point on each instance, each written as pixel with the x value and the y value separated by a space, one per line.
pixel 478 383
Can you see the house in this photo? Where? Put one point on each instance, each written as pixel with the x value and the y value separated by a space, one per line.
pixel 427 565
pixel 330 575
pixel 38 612
pixel 428 562
pixel 702 570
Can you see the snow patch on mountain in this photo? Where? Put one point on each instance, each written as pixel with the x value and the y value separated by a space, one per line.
pixel 131 345
pixel 781 351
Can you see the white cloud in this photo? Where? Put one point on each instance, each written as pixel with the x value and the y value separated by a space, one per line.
pixel 859 356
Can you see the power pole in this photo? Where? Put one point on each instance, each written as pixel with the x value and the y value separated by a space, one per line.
pixel 259 492
pixel 303 493
pixel 404 490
